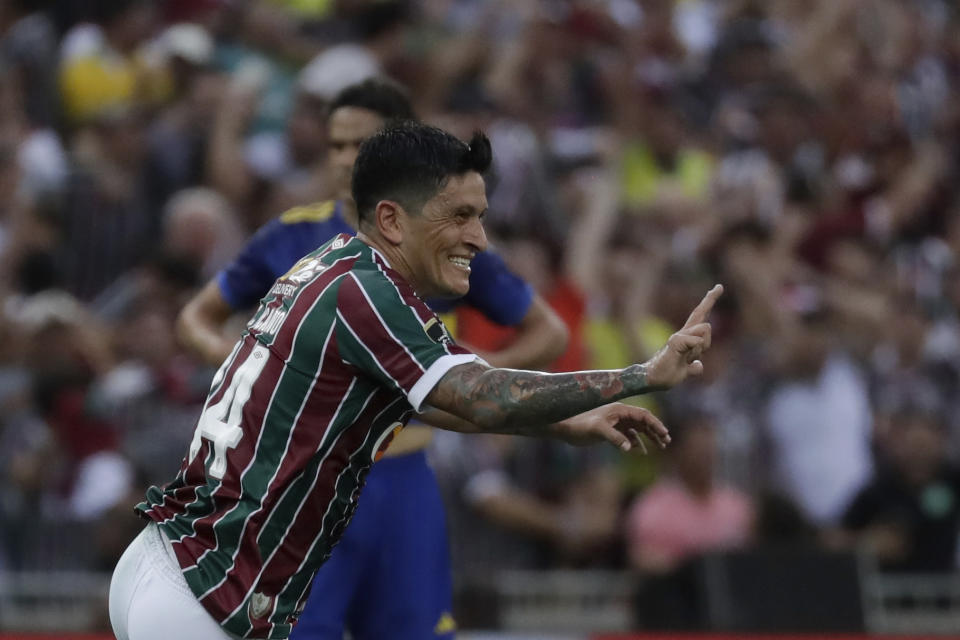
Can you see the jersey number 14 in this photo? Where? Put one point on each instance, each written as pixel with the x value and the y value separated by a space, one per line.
pixel 220 422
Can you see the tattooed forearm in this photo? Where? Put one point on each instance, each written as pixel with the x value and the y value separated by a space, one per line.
pixel 523 402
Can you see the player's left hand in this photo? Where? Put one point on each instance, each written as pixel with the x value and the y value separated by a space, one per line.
pixel 680 357
pixel 617 423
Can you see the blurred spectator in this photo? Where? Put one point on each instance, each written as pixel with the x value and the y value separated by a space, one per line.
pixel 687 513
pixel 200 227
pixel 546 73
pixel 900 359
pixel 336 68
pixel 663 171
pixel 908 516
pixel 179 133
pixel 375 46
pixel 818 422
pixel 106 221
pixel 155 390
pixel 66 351
pixel 26 448
pixel 267 143
pixel 771 158
pixel 102 66
pixel 35 165
pixel 624 324
pixel 536 506
pixel 271 170
pixel 731 391
pixel 28 48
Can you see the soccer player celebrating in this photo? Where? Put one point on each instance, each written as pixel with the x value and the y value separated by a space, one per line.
pixel 338 357
pixel 409 595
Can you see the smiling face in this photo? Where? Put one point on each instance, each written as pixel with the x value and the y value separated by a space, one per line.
pixel 347 128
pixel 439 243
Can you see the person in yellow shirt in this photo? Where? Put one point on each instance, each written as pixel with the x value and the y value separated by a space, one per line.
pixel 659 167
pixel 103 66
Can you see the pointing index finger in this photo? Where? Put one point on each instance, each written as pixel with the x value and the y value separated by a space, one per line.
pixel 702 310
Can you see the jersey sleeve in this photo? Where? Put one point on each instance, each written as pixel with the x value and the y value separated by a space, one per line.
pixel 394 337
pixel 495 291
pixel 249 276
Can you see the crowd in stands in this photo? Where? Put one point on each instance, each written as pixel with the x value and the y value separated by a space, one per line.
pixel 804 154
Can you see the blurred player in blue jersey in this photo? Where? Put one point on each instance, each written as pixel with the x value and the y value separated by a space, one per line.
pixel 389 577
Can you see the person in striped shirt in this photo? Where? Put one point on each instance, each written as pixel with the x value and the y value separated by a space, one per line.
pixel 375 585
pixel 338 357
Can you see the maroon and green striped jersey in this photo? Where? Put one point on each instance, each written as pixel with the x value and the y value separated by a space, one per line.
pixel 337 358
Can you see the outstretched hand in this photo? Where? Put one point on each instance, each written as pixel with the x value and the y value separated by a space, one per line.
pixel 617 423
pixel 680 357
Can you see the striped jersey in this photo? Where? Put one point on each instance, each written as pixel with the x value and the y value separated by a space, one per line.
pixel 339 355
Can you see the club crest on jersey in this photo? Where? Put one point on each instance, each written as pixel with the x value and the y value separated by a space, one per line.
pixel 260 605
pixel 436 331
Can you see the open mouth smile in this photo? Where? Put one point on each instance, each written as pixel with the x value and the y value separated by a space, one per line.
pixel 459 261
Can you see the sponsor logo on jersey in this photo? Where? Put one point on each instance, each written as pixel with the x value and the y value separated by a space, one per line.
pixel 305 270
pixel 383 442
pixel 436 331
pixel 283 289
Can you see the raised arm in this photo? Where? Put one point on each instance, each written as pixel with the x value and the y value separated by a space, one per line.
pixel 228 171
pixel 527 402
pixel 200 324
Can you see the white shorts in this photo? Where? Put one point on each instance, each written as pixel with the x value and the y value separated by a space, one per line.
pixel 150 599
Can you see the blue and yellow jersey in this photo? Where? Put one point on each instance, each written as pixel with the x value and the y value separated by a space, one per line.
pixel 275 247
pixel 495 291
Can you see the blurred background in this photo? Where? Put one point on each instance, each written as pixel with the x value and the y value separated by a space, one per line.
pixel 804 154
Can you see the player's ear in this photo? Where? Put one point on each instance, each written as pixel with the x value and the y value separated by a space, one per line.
pixel 388 214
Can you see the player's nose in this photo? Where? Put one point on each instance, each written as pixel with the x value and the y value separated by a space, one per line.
pixel 475 236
